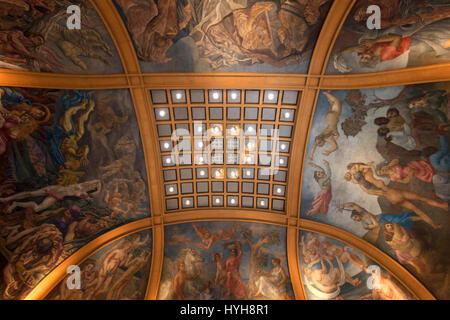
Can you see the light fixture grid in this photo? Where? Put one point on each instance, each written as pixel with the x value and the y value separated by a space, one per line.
pixel 207 153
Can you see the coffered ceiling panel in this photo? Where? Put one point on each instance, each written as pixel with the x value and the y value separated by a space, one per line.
pixel 412 33
pixel 34 36
pixel 224 35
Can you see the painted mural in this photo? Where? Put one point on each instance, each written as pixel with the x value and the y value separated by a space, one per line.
pixel 224 35
pixel 334 271
pixel 34 36
pixel 225 261
pixel 378 166
pixel 119 271
pixel 413 33
pixel 72 167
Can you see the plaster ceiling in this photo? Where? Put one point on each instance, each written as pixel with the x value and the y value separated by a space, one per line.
pixel 148 75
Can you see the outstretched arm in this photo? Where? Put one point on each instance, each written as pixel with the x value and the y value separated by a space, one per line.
pixel 371 192
pixel 351 205
pixel 357 49
pixel 313 150
pixel 197 230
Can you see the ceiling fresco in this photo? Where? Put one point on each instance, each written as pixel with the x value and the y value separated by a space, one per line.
pixel 34 36
pixel 225 261
pixel 62 183
pixel 224 150
pixel 378 164
pixel 224 35
pixel 333 271
pixel 117 272
pixel 412 33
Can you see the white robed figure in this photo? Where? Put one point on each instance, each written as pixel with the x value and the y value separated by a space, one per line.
pixel 272 285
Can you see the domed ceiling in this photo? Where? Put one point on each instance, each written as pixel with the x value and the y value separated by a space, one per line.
pixel 232 149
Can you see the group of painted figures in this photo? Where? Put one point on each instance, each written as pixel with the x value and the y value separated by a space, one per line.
pixel 226 32
pixel 69 171
pixel 112 274
pixel 325 268
pixel 411 183
pixel 190 276
pixel 412 33
pixel 34 36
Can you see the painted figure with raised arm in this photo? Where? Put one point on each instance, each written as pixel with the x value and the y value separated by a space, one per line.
pixel 331 133
pixel 209 238
pixel 323 198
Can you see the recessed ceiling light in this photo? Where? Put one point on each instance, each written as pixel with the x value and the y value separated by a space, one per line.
pixel 201 159
pixel 248 159
pixel 281 161
pixel 283 146
pixel 271 96
pixel 287 115
pixel 233 201
pixel 215 95
pixel 217 200
pixel 166 145
pixel 202 173
pixel 217 173
pixel 187 202
pixel 178 96
pixel 200 144
pixel 171 189
pixel 262 203
pixel 168 160
pixel 250 129
pixel 216 129
pixel 248 173
pixel 199 129
pixel 162 113
pixel 234 96
pixel 279 190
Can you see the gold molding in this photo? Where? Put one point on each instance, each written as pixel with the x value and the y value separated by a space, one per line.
pixel 402 275
pixel 13 78
pixel 294 263
pixel 224 81
pixel 47 284
pixel 433 73
pixel 157 263
pixel 119 34
pixel 328 35
pixel 226 215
